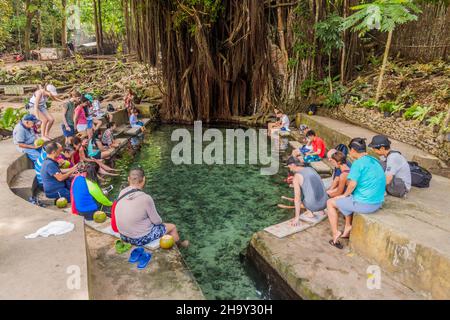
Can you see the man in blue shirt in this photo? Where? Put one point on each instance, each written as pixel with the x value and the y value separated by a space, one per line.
pixel 364 193
pixel 56 182
pixel 24 137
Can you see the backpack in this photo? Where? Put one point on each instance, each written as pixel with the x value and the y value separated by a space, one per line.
pixel 342 148
pixel 113 208
pixel 420 177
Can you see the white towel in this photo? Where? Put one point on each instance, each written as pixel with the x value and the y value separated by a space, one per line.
pixel 56 228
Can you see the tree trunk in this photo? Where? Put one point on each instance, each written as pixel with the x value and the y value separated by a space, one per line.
pixel 39 28
pixel 329 73
pixel 383 66
pixel 97 28
pixel 100 25
pixel 282 40
pixel 344 15
pixel 63 24
pixel 27 33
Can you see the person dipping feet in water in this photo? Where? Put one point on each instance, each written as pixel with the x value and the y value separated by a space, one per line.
pixel 136 217
pixel 309 190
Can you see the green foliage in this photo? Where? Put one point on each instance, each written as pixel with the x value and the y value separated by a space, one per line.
pixel 208 11
pixel 334 98
pixel 369 104
pixel 398 107
pixel 382 15
pixel 328 32
pixel 417 112
pixel 436 120
pixel 10 117
pixel 386 106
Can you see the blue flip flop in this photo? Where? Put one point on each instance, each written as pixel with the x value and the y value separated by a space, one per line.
pixel 136 254
pixel 144 259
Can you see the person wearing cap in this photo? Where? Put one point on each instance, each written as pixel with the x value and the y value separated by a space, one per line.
pixel 24 137
pixel 396 167
pixel 38 103
pixel 364 193
pixel 309 191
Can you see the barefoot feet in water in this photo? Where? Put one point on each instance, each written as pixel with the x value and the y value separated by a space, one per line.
pixel 183 244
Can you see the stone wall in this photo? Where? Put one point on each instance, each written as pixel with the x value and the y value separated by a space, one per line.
pixel 406 131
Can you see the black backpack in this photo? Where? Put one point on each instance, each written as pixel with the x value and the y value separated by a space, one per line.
pixel 342 148
pixel 420 177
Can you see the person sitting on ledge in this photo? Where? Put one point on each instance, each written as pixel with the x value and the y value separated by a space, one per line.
pixel 309 190
pixel 340 173
pixel 136 217
pixel 108 136
pixel 134 122
pixel 24 137
pixel 87 196
pixel 396 167
pixel 274 124
pixel 56 181
pixel 364 193
pixel 318 149
pixel 282 125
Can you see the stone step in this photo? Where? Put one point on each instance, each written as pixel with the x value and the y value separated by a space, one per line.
pixel 410 240
pixel 24 184
pixel 314 269
pixel 136 131
pixel 123 142
pixel 44 200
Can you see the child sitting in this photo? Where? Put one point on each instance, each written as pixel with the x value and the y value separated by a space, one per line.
pixel 134 122
pixel 108 136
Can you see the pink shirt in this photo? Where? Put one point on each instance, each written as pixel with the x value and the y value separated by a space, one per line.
pixel 79 111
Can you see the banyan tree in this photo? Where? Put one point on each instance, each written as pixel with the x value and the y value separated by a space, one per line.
pixel 225 58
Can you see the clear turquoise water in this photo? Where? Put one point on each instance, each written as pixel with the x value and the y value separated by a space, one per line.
pixel 217 208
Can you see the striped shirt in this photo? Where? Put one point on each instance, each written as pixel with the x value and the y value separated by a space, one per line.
pixel 38 166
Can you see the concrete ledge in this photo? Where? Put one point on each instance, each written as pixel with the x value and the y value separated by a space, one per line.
pixel 410 239
pixel 24 274
pixel 335 132
pixel 315 270
pixel 24 184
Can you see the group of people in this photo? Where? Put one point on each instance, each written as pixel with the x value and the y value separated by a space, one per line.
pixel 75 169
pixel 358 184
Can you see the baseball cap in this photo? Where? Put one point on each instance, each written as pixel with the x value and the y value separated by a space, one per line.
pixel 51 88
pixel 30 117
pixel 89 97
pixel 379 141
pixel 303 127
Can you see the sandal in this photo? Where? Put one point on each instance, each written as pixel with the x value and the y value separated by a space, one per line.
pixel 336 244
pixel 121 247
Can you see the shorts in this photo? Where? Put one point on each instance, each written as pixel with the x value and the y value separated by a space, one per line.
pixel 90 124
pixel 157 232
pixel 348 206
pixel 81 127
pixel 68 133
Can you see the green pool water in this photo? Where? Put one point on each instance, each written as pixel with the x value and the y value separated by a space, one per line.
pixel 217 208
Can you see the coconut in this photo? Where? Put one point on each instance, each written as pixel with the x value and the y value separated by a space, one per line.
pixel 166 242
pixel 65 165
pixel 99 216
pixel 61 203
pixel 39 142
